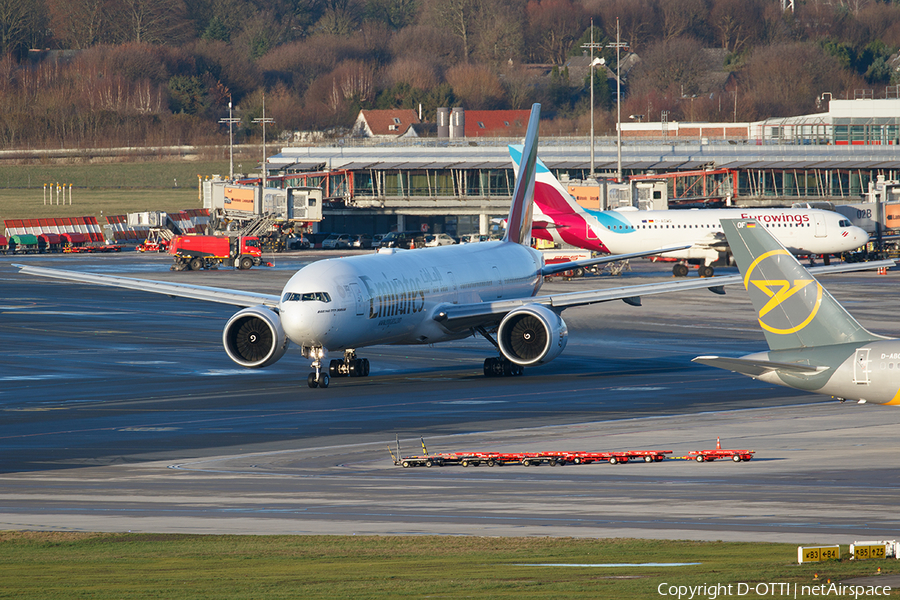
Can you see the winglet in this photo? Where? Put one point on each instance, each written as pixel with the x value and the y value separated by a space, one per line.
pixel 518 224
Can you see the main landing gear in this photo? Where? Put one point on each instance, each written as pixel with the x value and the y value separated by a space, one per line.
pixel 500 366
pixel 681 270
pixel 351 366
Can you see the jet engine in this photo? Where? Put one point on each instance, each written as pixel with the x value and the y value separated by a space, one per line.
pixel 254 337
pixel 532 335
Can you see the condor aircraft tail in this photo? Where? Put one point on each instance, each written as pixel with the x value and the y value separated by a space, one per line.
pixel 814 344
pixel 794 310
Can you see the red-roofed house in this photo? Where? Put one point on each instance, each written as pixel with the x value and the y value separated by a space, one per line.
pixel 384 123
pixel 496 123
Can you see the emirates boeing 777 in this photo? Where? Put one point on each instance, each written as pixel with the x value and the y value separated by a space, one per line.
pixel 419 296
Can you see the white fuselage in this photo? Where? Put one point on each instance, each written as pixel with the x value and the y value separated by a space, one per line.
pixel 391 297
pixel 801 231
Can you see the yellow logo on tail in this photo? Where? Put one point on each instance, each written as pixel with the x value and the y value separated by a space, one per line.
pixel 779 291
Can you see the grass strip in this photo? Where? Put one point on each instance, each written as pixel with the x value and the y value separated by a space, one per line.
pixel 47 566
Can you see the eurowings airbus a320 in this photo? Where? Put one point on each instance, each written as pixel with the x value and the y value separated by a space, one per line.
pixel 420 296
pixel 559 218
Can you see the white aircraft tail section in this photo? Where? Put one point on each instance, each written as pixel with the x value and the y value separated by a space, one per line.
pixel 518 223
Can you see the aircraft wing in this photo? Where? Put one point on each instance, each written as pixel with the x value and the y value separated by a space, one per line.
pixel 587 262
pixel 181 290
pixel 755 368
pixel 457 317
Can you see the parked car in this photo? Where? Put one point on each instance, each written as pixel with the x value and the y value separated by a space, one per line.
pixel 361 240
pixel 376 239
pixel 438 239
pixel 474 237
pixel 403 239
pixel 336 241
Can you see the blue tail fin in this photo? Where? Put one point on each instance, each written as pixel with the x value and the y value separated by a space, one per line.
pixel 518 223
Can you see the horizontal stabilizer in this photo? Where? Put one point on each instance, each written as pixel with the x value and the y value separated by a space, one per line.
pixel 755 368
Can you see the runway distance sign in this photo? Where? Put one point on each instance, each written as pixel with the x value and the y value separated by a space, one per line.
pixel 818 553
pixel 864 552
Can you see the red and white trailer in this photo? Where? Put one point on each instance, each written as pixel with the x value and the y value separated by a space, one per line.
pixel 528 459
pixel 719 453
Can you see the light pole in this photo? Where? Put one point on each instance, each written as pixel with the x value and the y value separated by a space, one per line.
pixel 231 121
pixel 594 63
pixel 264 120
pixel 618 46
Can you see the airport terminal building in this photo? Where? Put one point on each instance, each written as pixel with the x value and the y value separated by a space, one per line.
pixel 456 184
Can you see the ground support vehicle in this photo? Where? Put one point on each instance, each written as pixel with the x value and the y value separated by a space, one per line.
pixel 711 455
pixel 195 252
pixel 23 243
pixel 719 453
pixel 554 257
pixel 157 240
pixel 526 459
pixel 275 216
pixel 613 458
pixel 88 249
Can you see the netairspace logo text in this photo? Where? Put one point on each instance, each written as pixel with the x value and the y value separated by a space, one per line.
pixel 771 590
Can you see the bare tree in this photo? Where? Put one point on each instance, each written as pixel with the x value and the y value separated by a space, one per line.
pixel 638 21
pixel 16 18
pixel 554 25
pixel 500 36
pixel 459 17
pixel 786 79
pixel 673 66
pixel 518 85
pixel 682 17
pixel 738 22
pixel 341 17
pixel 153 21
pixel 79 24
pixel 416 73
pixel 444 48
pixel 476 86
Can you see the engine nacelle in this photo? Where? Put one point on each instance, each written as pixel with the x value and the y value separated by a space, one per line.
pixel 254 337
pixel 532 335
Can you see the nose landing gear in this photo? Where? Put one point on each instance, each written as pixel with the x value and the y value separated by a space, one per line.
pixel 318 379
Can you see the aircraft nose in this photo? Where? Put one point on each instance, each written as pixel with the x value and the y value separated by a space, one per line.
pixel 303 324
pixel 860 234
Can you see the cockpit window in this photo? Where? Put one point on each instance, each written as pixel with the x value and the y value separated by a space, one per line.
pixel 306 297
pixel 845 223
